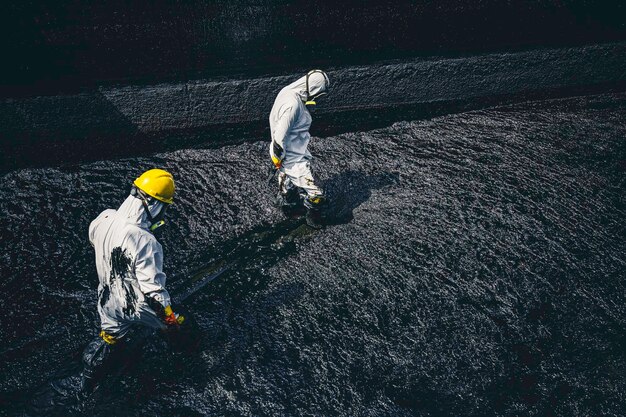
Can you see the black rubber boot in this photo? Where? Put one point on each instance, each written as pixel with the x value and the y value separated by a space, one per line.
pixel 314 218
pixel 97 358
pixel 290 203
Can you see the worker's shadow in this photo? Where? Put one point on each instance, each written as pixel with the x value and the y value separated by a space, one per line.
pixel 228 333
pixel 348 190
pixel 223 312
pixel 228 314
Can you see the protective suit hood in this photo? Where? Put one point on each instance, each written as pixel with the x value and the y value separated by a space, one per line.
pixel 312 85
pixel 133 212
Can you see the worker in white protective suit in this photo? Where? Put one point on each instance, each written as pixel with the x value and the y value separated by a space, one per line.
pixel 129 261
pixel 290 120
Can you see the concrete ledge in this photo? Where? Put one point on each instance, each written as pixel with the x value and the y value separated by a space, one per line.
pixel 54 129
pixel 202 103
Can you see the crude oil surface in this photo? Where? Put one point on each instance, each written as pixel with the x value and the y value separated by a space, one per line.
pixel 474 264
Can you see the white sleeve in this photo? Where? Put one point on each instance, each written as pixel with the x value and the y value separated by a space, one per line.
pixel 96 222
pixel 149 271
pixel 92 232
pixel 286 116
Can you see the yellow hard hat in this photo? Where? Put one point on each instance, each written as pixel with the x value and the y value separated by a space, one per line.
pixel 157 183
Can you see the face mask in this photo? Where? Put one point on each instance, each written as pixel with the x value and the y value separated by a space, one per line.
pixel 158 221
pixel 310 105
pixel 155 221
pixel 311 102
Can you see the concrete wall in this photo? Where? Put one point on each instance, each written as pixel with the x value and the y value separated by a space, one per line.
pixel 202 103
pixel 61 46
pixel 90 80
pixel 134 120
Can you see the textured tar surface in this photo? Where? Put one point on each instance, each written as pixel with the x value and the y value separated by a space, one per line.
pixel 475 266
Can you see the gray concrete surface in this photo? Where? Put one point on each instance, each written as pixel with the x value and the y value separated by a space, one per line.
pixel 202 103
pixel 140 120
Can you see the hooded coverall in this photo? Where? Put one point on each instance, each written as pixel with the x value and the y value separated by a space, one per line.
pixel 290 121
pixel 129 261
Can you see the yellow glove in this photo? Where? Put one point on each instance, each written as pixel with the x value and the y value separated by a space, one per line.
pixel 172 318
pixel 278 153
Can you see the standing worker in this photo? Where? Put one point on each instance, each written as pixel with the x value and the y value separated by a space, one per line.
pixel 129 260
pixel 290 120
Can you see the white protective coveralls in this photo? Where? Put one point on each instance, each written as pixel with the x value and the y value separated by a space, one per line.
pixel 290 121
pixel 129 261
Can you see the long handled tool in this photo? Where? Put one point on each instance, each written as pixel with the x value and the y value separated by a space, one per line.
pixel 200 280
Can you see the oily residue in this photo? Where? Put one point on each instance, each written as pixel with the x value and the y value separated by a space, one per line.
pixel 121 277
pixel 120 265
pixel 104 295
pixel 130 300
pixel 474 266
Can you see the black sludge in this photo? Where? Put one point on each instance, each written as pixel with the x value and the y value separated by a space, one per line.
pixel 121 276
pixel 474 266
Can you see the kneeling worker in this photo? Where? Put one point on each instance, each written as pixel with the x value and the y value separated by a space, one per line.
pixel 290 120
pixel 129 261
